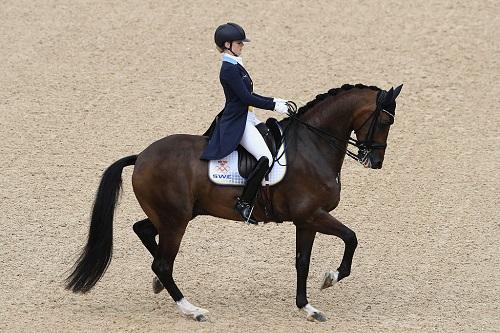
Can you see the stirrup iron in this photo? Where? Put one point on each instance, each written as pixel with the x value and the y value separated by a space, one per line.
pixel 247 221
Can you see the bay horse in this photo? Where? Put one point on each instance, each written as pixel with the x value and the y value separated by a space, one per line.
pixel 317 138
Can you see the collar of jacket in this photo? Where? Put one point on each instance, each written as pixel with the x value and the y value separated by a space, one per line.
pixel 232 59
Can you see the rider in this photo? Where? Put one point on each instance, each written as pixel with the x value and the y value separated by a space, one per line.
pixel 238 121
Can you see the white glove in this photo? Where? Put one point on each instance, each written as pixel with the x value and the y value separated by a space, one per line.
pixel 279 100
pixel 281 107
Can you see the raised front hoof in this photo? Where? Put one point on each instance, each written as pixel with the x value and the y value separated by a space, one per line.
pixel 157 285
pixel 317 316
pixel 329 279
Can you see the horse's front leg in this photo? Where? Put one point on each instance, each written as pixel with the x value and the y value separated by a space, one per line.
pixel 324 223
pixel 304 243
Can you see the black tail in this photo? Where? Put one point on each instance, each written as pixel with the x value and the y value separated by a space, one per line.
pixel 95 257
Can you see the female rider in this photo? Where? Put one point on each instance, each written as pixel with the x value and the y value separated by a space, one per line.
pixel 237 123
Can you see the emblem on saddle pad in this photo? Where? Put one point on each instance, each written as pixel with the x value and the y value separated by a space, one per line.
pixel 223 166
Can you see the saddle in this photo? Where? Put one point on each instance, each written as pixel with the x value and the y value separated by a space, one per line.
pixel 271 133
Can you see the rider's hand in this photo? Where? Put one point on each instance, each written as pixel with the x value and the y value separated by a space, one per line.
pixel 275 100
pixel 281 107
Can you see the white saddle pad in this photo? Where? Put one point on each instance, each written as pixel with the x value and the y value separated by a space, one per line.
pixel 225 171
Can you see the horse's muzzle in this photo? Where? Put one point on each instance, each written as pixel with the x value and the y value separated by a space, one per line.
pixel 375 161
pixel 369 159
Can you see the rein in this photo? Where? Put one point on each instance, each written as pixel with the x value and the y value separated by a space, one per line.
pixel 365 146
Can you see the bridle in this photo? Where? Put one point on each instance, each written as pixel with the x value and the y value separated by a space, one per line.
pixel 365 147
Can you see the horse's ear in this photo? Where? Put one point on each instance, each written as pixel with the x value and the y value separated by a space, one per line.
pixel 389 96
pixel 397 91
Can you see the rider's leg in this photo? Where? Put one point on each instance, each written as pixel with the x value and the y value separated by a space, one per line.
pixel 253 142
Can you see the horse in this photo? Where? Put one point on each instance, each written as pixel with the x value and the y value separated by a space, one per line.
pixel 317 136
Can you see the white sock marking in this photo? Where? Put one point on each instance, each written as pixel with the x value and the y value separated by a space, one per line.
pixel 189 309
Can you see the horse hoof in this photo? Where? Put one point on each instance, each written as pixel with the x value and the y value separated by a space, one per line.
pixel 191 311
pixel 329 279
pixel 317 316
pixel 313 314
pixel 200 318
pixel 157 285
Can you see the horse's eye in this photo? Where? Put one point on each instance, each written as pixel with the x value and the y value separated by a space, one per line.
pixel 386 120
pixel 385 123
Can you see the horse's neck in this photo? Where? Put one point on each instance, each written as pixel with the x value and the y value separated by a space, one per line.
pixel 333 116
pixel 337 122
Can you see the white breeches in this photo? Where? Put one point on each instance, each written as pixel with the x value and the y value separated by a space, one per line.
pixel 252 139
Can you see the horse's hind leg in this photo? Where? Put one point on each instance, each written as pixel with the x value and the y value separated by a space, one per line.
pixel 147 232
pixel 163 265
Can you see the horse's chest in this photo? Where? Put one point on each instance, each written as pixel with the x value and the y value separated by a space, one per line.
pixel 325 194
pixel 331 196
pixel 332 201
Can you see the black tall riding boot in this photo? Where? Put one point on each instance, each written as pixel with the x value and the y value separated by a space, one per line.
pixel 244 204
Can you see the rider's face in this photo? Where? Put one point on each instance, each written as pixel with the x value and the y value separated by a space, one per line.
pixel 237 47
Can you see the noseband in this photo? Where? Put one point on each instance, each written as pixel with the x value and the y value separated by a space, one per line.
pixel 365 147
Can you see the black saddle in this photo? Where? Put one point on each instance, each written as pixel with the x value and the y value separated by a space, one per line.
pixel 271 133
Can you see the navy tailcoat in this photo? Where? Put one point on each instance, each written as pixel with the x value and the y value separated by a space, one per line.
pixel 238 89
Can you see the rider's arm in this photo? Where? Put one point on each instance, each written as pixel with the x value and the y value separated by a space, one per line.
pixel 270 98
pixel 231 76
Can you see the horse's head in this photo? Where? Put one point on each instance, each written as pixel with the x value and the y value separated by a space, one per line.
pixel 372 125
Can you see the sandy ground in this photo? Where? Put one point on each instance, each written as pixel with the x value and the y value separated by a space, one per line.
pixel 84 83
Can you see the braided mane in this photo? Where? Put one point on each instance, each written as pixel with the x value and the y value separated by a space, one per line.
pixel 333 92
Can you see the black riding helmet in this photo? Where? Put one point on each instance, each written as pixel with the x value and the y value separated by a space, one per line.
pixel 229 32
